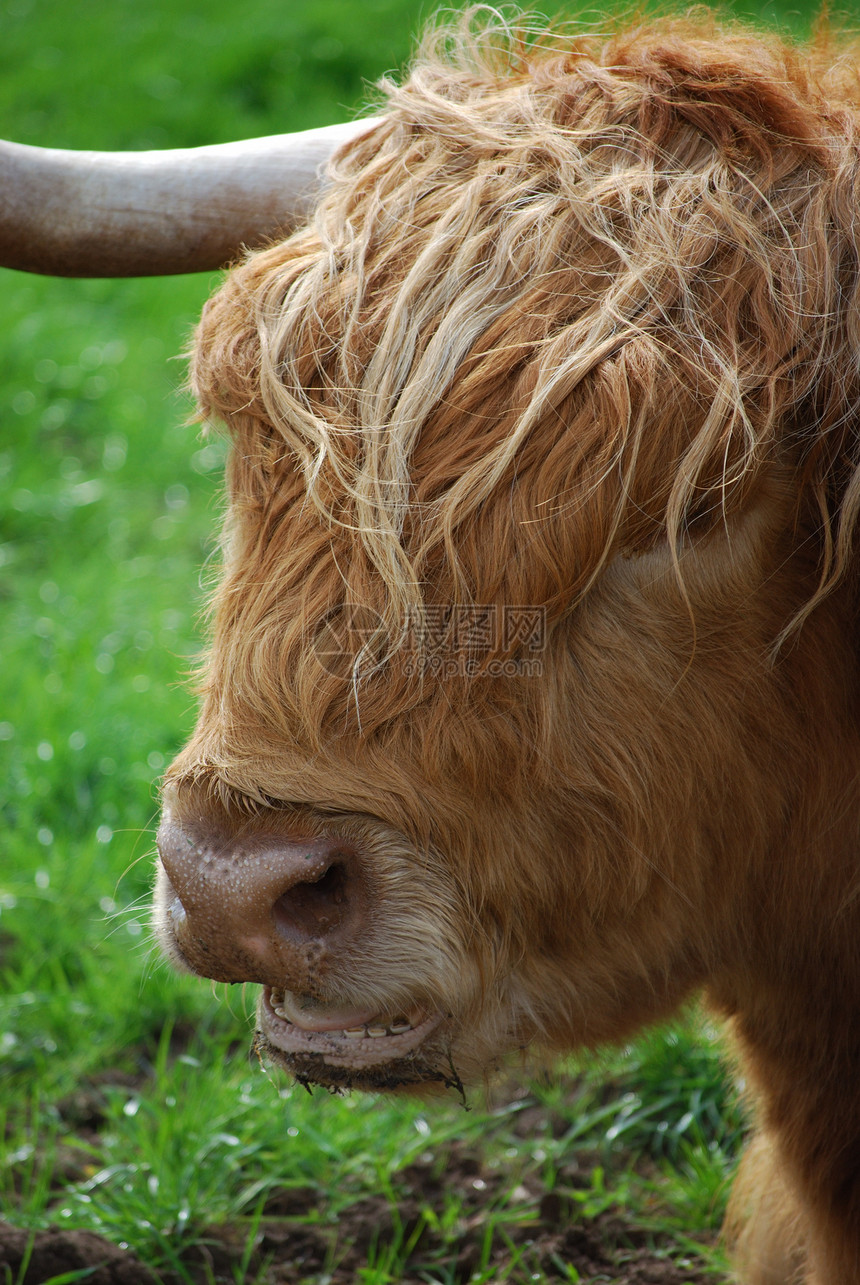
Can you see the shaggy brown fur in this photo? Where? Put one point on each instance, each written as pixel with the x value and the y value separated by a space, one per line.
pixel 576 328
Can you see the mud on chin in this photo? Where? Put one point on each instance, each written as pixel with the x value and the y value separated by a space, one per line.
pixel 419 1057
pixel 431 1070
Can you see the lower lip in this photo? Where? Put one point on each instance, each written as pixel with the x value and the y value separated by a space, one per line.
pixel 336 1047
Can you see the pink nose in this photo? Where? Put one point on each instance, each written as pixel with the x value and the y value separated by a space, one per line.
pixel 258 908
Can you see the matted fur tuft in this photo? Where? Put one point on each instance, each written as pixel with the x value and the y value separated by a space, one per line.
pixel 573 295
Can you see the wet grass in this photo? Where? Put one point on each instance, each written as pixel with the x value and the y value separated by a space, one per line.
pixel 191 1144
pixel 129 1105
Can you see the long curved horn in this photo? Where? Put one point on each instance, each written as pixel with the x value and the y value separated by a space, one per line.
pixel 131 214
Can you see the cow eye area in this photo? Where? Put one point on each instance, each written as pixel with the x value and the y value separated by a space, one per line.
pixel 315 905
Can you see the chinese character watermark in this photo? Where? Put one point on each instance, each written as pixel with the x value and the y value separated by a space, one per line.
pixel 475 640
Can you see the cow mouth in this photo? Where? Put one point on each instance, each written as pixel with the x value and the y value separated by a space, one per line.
pixel 346 1048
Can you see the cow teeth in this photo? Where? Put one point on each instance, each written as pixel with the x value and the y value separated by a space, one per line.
pixel 376 1032
pixel 282 1012
pixel 277 997
pixel 398 1028
pixel 356 1032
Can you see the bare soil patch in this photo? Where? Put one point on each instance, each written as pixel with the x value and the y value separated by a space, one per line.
pixel 604 1250
pixel 302 1240
pixel 296 1244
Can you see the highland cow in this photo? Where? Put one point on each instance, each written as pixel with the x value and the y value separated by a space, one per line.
pixel 531 708
pixel 531 704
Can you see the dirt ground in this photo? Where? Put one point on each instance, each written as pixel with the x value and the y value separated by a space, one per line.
pixel 602 1251
pixel 291 1248
pixel 300 1241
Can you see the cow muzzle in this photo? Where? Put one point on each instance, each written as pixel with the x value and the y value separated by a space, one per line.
pixel 313 918
pixel 257 907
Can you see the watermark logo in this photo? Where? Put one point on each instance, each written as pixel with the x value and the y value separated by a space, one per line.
pixel 348 634
pixel 478 640
pixel 467 641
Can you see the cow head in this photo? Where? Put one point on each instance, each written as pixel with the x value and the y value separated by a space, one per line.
pixel 526 648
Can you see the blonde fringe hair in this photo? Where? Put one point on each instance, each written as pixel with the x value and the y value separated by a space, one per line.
pixel 568 300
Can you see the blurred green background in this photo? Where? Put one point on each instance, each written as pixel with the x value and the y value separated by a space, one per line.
pixel 107 496
pixel 108 509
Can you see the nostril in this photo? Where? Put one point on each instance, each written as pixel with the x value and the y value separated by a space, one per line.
pixel 250 905
pixel 315 906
